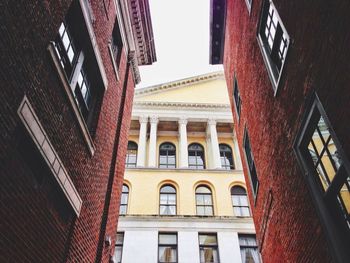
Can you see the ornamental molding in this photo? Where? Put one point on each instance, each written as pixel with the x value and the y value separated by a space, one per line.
pixel 180 105
pixel 179 83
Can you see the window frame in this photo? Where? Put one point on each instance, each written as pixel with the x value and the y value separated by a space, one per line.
pixel 127 163
pixel 204 205
pixel 167 157
pixel 208 246
pixel 237 96
pixel 196 166
pixel 168 245
pixel 231 166
pixel 249 246
pixel 121 245
pixel 240 206
pixel 323 200
pixel 167 205
pixel 268 55
pixel 127 200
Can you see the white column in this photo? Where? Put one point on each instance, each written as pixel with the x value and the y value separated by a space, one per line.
pixel 152 148
pixel 141 151
pixel 183 143
pixel 238 160
pixel 211 129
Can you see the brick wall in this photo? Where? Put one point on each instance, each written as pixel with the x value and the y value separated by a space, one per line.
pixel 317 61
pixel 32 226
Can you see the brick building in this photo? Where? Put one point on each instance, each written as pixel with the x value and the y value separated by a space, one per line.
pixel 286 65
pixel 68 72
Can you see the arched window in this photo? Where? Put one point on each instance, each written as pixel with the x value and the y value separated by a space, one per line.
pixel 226 157
pixel 196 156
pixel 167 200
pixel 204 201
pixel 131 155
pixel 124 200
pixel 240 201
pixel 167 155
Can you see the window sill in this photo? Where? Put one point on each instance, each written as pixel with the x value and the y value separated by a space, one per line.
pixel 70 96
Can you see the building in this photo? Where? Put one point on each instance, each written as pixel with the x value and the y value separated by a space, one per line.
pixel 68 71
pixel 184 197
pixel 286 67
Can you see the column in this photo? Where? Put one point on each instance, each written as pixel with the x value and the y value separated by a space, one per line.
pixel 214 144
pixel 152 148
pixel 183 143
pixel 141 151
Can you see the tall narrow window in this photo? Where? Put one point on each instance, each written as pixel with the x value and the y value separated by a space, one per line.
pixel 208 248
pixel 249 249
pixel 124 200
pixel 167 155
pixel 237 97
pixel 196 156
pixel 328 174
pixel 167 247
pixel 251 164
pixel 118 251
pixel 167 200
pixel 204 201
pixel 226 157
pixel 131 155
pixel 239 201
pixel 274 41
pixel 116 44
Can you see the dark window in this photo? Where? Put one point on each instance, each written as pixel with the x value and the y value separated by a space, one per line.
pixel 116 44
pixel 167 155
pixel 249 4
pixel 124 200
pixel 208 248
pixel 237 97
pixel 274 40
pixel 251 164
pixel 131 155
pixel 167 247
pixel 204 201
pixel 167 200
pixel 226 157
pixel 118 251
pixel 327 170
pixel 196 156
pixel 249 249
pixel 240 201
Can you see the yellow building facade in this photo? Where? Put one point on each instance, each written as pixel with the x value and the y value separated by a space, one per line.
pixel 184 178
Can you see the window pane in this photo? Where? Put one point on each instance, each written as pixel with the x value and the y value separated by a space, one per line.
pixel 117 257
pixel 124 199
pixel 171 199
pixel 120 238
pixel 203 190
pixel 344 201
pixel 163 210
pixel 199 199
pixel 207 239
pixel 65 40
pixel 245 211
pixel 71 54
pixel 122 210
pixel 172 210
pixel 208 211
pixel 200 210
pixel 167 239
pixel 207 199
pixel 237 211
pixel 167 254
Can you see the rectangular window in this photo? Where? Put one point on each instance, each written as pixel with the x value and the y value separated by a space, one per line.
pixel 118 251
pixel 167 247
pixel 249 249
pixel 208 248
pixel 274 41
pixel 327 172
pixel 237 97
pixel 250 163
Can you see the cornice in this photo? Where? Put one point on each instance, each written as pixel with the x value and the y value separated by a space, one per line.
pixel 177 105
pixel 179 83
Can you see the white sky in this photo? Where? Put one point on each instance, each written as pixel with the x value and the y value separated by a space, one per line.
pixel 181 35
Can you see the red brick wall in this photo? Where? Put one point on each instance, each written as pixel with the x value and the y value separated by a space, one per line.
pixel 31 228
pixel 317 61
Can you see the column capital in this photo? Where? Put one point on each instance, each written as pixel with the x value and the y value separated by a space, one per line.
pixel 154 119
pixel 183 120
pixel 143 119
pixel 211 122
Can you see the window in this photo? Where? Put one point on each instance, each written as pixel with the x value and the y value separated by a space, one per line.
pixel 249 4
pixel 167 155
pixel 327 169
pixel 237 97
pixel 251 164
pixel 124 200
pixel 239 201
pixel 167 247
pixel 131 155
pixel 116 44
pixel 196 156
pixel 167 200
pixel 208 248
pixel 249 249
pixel 118 251
pixel 274 41
pixel 204 201
pixel 77 59
pixel 226 157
